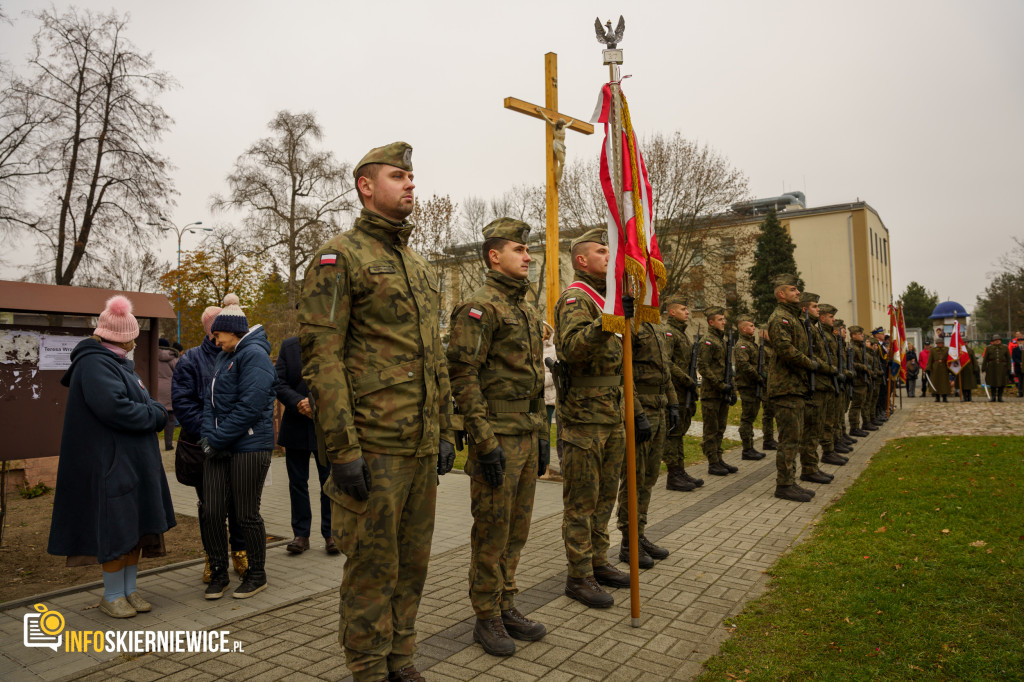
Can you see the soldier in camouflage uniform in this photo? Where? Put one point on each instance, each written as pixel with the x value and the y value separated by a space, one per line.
pixel 883 365
pixel 652 379
pixel 870 410
pixel 815 403
pixel 677 316
pixel 843 442
pixel 372 357
pixel 714 392
pixel 591 414
pixel 767 408
pixel 829 424
pixel 861 383
pixel 748 379
pixel 495 360
pixel 788 384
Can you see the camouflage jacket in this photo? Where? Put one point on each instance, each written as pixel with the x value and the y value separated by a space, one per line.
pixel 588 351
pixel 675 332
pixel 652 366
pixel 711 365
pixel 371 344
pixel 841 347
pixel 790 363
pixel 860 364
pixel 744 358
pixel 822 352
pixel 496 353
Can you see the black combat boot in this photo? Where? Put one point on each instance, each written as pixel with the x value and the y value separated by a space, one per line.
pixel 816 477
pixel 752 454
pixel 520 627
pixel 833 458
pixel 792 493
pixel 945 398
pixel 676 480
pixel 806 490
pixel 490 633
pixel 967 395
pixel 841 447
pixel 868 426
pixel 652 549
pixel 717 469
pixel 859 433
pixel 645 559
pixel 587 592
pixel 999 392
pixel 770 443
pixel 696 481
pixel 939 399
pixel 610 576
pixel 407 674
pixel 730 468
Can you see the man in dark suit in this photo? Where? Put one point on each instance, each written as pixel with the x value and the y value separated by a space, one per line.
pixel 298 438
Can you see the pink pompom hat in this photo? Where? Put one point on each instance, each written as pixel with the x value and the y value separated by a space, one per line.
pixel 117 322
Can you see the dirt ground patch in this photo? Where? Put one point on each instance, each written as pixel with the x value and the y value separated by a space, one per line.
pixel 26 569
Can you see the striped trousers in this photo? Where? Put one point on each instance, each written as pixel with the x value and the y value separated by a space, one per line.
pixel 235 482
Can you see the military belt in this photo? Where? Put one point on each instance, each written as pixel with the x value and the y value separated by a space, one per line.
pixel 499 406
pixel 649 389
pixel 594 382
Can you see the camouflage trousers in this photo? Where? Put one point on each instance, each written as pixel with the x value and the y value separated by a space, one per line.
pixel 811 435
pixel 751 406
pixel 860 394
pixel 501 525
pixel 789 413
pixel 829 428
pixel 715 414
pixel 674 455
pixel 386 542
pixel 767 418
pixel 842 405
pixel 648 466
pixel 870 406
pixel 592 461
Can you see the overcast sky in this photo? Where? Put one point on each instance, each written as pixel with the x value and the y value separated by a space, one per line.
pixel 914 107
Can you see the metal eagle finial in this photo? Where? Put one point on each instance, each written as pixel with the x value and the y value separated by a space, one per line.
pixel 610 38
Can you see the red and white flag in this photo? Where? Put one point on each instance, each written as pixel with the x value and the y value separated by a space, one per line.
pixel 901 329
pixel 958 356
pixel 632 244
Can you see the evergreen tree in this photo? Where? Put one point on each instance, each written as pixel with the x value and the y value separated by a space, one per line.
pixel 918 304
pixel 773 256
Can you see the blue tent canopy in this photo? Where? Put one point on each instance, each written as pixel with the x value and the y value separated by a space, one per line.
pixel 949 309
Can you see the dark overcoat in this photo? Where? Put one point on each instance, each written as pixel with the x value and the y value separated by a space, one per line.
pixel 969 374
pixel 938 371
pixel 111 488
pixel 996 365
pixel 239 411
pixel 297 430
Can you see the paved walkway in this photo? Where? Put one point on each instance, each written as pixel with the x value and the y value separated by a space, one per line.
pixel 722 538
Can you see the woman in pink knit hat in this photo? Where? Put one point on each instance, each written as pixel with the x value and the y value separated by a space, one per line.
pixel 112 503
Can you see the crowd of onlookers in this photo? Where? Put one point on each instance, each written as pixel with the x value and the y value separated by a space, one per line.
pixel 998 368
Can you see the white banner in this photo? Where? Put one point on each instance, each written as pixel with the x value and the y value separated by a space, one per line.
pixel 55 351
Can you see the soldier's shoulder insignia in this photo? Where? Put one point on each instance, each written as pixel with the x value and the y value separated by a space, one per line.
pixel 708 342
pixel 743 347
pixel 570 300
pixel 668 334
pixel 475 313
pixel 329 258
pixel 785 321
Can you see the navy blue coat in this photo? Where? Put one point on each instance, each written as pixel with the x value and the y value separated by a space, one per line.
pixel 111 487
pixel 297 430
pixel 190 385
pixel 239 411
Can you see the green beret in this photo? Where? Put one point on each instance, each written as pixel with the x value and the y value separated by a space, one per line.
pixel 598 234
pixel 827 309
pixel 397 154
pixel 712 311
pixel 808 297
pixel 507 228
pixel 675 299
pixel 838 323
pixel 786 280
pixel 856 329
pixel 744 318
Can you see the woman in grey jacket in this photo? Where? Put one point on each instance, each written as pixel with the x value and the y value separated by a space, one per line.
pixel 238 439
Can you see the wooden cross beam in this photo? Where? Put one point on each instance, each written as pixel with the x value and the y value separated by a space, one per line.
pixel 550 110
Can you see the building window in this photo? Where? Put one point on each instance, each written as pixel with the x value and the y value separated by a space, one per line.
pixel 532 272
pixel 730 293
pixel 728 249
pixel 872 233
pixel 885 251
pixel 698 256
pixel 697 299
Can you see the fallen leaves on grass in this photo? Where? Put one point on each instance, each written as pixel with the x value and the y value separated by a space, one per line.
pixel 978 543
pixel 881 530
pixel 945 531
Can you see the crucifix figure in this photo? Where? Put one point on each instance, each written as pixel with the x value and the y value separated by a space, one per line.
pixel 554 146
pixel 558 143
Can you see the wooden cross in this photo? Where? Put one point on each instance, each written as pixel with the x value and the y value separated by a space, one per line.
pixel 550 111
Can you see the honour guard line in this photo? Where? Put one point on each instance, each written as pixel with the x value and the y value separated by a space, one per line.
pixel 390 402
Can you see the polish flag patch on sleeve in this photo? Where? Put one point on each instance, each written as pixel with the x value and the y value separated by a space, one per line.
pixel 475 314
pixel 570 300
pixel 328 259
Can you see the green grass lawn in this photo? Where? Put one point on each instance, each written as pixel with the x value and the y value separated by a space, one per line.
pixel 917 572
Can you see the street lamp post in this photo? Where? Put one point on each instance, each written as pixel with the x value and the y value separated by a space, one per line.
pixel 167 226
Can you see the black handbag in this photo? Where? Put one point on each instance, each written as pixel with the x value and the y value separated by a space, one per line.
pixel 188 463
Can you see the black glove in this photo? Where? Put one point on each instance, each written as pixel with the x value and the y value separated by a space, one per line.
pixel 460 440
pixel 543 457
pixel 644 432
pixel 627 306
pixel 673 418
pixel 492 465
pixel 212 452
pixel 445 458
pixel 549 362
pixel 352 478
pixel 727 388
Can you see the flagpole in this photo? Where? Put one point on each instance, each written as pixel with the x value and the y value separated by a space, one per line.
pixel 888 365
pixel 613 61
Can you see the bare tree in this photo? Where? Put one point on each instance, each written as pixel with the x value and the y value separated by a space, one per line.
pixel 22 119
pixel 292 193
pixel 131 270
pixel 99 147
